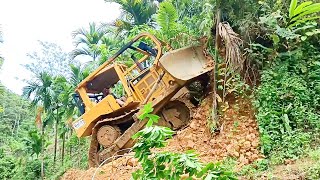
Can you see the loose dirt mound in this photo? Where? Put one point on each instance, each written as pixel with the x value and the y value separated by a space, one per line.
pixel 119 169
pixel 238 137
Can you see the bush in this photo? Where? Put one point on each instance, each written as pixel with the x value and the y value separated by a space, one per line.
pixel 288 100
pixel 28 169
pixel 7 166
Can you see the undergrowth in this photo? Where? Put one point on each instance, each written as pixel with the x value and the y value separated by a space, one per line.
pixel 288 99
pixel 306 167
pixel 288 102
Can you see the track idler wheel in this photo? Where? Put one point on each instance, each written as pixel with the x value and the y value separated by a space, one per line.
pixel 102 138
pixel 107 134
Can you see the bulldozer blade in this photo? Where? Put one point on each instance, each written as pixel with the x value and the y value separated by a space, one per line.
pixel 186 63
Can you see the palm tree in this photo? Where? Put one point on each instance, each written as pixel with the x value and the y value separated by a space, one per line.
pixel 62 98
pixel 41 92
pixel 88 42
pixel 65 91
pixel 133 13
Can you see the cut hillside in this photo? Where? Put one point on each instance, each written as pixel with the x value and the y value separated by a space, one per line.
pixel 238 138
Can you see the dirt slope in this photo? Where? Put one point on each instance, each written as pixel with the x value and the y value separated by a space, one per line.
pixel 238 138
pixel 120 169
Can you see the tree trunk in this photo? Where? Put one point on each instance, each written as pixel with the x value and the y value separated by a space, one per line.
pixel 70 149
pixel 62 150
pixel 42 152
pixel 214 114
pixel 14 125
pixel 18 125
pixel 79 154
pixel 55 139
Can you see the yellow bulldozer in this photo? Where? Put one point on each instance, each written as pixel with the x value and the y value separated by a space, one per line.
pixel 155 76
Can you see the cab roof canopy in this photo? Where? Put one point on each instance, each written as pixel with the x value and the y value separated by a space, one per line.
pixel 104 79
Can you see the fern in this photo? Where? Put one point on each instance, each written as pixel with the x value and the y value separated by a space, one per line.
pixel 167 17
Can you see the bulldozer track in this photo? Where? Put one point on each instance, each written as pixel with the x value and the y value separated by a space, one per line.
pixel 94 148
pixel 176 115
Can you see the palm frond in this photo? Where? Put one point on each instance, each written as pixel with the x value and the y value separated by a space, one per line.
pixel 60 80
pixel 293 5
pixel 232 43
pixel 40 90
pixel 106 28
pixel 81 40
pixel 121 26
pixel 108 41
pixel 135 12
pixel 167 16
pixel 88 41
pixel 79 52
pixel 78 74
pixel 28 90
pixel 80 31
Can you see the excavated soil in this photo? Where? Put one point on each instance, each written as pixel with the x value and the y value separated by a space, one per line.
pixel 237 137
pixel 119 169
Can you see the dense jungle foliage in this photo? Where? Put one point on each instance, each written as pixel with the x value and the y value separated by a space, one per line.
pixel 267 51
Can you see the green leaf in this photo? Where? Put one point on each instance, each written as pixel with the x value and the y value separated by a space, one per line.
pixel 149 123
pixel 317 63
pixel 275 39
pixel 138 134
pixel 300 8
pixel 154 118
pixel 317 31
pixel 303 38
pixel 190 164
pixel 303 21
pixel 145 111
pixel 205 169
pixel 210 177
pixel 155 135
pixel 293 6
pixel 314 8
pixel 286 123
